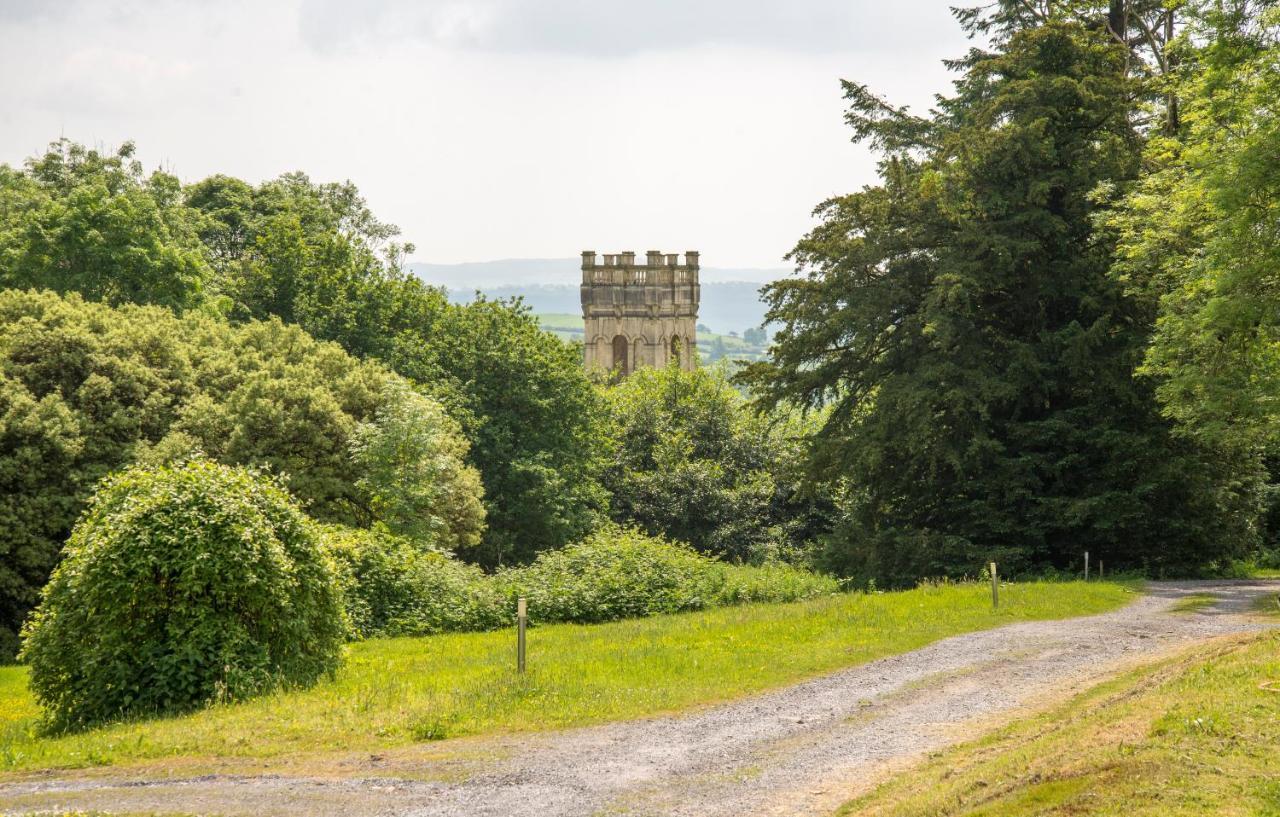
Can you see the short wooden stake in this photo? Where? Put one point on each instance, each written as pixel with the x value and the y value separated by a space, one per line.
pixel 1099 570
pixel 1086 565
pixel 995 588
pixel 522 619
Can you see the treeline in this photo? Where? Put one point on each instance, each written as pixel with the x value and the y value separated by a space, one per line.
pixel 1051 326
pixel 509 453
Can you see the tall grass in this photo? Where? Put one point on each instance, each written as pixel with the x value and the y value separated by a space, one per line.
pixel 397 691
pixel 1192 735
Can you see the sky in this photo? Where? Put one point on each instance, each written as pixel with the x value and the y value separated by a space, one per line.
pixel 491 129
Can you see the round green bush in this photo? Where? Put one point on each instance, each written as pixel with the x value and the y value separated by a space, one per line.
pixel 616 573
pixel 391 586
pixel 181 585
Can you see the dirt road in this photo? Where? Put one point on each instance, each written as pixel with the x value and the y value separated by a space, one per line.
pixel 796 751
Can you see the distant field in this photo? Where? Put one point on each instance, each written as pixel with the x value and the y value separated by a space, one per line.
pixel 394 692
pixel 568 326
pixel 1191 736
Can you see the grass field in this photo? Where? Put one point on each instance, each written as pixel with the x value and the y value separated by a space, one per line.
pixel 394 692
pixel 1193 735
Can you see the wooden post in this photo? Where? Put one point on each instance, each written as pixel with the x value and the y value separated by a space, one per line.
pixel 1086 565
pixel 995 588
pixel 522 618
pixel 1100 574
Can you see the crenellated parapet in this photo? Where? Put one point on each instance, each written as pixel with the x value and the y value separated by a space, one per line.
pixel 622 269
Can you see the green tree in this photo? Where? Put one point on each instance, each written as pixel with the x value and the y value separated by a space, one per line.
pixel 82 389
pixel 314 254
pixel 694 463
pixel 412 461
pixel 535 422
pixel 76 220
pixel 960 321
pixel 86 389
pixel 311 254
pixel 1201 233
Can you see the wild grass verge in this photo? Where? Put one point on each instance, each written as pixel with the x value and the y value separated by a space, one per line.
pixel 397 691
pixel 1193 735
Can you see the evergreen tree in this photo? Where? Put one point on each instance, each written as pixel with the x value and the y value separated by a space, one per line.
pixel 960 320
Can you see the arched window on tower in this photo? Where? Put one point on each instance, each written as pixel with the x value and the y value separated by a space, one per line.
pixel 676 348
pixel 620 353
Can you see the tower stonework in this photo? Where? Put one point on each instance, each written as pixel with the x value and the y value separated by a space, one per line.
pixel 640 314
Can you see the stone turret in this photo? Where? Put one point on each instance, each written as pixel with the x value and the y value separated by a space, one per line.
pixel 640 314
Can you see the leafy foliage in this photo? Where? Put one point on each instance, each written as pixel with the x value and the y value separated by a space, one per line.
pixel 977 358
pixel 411 460
pixel 693 462
pixel 196 582
pixel 619 572
pixel 1201 232
pixel 314 254
pixel 86 389
pixel 79 221
pixel 82 389
pixel 535 422
pixel 615 573
pixel 392 586
pixel 772 582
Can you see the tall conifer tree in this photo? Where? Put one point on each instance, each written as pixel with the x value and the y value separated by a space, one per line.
pixel 961 321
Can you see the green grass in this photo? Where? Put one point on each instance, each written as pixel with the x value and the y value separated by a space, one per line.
pixel 1268 604
pixel 560 320
pixel 1194 603
pixel 395 692
pixel 1193 735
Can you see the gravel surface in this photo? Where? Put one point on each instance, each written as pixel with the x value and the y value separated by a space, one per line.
pixel 800 750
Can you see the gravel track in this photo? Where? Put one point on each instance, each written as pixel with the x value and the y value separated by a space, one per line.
pixel 800 750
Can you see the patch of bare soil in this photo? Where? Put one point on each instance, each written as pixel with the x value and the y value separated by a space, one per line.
pixel 801 750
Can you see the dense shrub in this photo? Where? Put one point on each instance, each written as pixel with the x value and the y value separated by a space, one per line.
pixel 182 584
pixel 615 573
pixel 86 389
pixel 694 462
pixel 772 582
pixel 391 586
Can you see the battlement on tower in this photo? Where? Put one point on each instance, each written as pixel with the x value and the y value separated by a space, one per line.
pixel 622 269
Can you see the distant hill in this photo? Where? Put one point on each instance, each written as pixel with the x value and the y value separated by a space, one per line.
pixel 536 271
pixel 550 286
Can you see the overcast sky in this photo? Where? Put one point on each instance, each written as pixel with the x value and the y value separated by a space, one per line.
pixel 490 128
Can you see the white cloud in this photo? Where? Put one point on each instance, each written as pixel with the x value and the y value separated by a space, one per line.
pixel 611 28
pixel 478 146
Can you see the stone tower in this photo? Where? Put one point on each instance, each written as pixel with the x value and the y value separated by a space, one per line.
pixel 640 314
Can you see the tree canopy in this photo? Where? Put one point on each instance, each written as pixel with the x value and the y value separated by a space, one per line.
pixel 961 321
pixel 693 462
pixel 77 220
pixel 313 255
pixel 86 389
